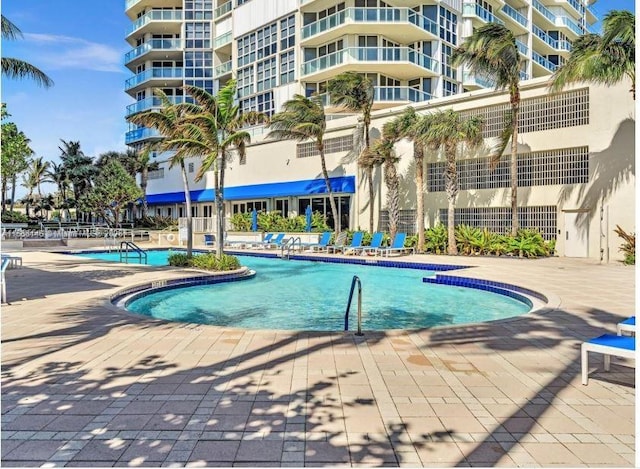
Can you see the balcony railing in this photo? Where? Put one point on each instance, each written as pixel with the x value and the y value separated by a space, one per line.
pixel 222 40
pixel 154 44
pixel 223 9
pixel 140 134
pixel 400 93
pixel 468 77
pixel 370 54
pixel 156 15
pixel 370 15
pixel 569 23
pixel 129 3
pixel 515 14
pixel 543 61
pixel 223 68
pixel 556 44
pixel 150 103
pixel 522 47
pixel 474 9
pixel 153 73
pixel 544 11
pixel 524 75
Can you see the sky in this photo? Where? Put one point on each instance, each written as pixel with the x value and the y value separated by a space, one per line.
pixel 80 44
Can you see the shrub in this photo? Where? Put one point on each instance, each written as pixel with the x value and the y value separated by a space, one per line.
pixel 241 221
pixel 435 239
pixel 209 261
pixel 468 238
pixel 14 217
pixel 527 243
pixel 178 259
pixel 628 246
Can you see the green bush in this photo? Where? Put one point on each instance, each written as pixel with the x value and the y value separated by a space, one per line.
pixel 207 261
pixel 14 217
pixel 435 239
pixel 628 248
pixel 527 243
pixel 178 259
pixel 241 221
pixel 468 238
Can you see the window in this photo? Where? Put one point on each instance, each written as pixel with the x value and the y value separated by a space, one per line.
pixel 198 35
pixel 245 81
pixel 449 88
pixel 191 167
pixel 266 71
pixel 406 222
pixel 157 174
pixel 448 26
pixel 250 206
pixel 323 205
pixel 282 206
pixel 447 69
pixel 287 67
pixel 331 145
pixel 287 32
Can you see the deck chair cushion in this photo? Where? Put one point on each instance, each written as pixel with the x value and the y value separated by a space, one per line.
pixel 608 345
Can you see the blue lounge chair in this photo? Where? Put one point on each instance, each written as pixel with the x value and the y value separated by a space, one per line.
pixel 275 242
pixel 628 325
pixel 265 240
pixel 376 243
pixel 209 240
pixel 396 246
pixel 608 345
pixel 340 241
pixel 356 242
pixel 322 243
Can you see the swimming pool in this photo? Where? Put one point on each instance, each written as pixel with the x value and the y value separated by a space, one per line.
pixel 307 295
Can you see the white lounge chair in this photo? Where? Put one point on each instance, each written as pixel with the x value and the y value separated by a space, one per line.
pixel 628 325
pixel 608 345
pixel 14 261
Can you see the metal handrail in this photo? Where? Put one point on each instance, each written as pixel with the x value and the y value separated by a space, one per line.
pixel 3 289
pixel 142 254
pixel 289 245
pixel 355 280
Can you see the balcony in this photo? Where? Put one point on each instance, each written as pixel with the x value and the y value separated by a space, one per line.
pixel 396 94
pixel 556 20
pixel 223 41
pixel 543 62
pixel 223 69
pixel 141 134
pixel 165 74
pixel 150 103
pixel 522 47
pixel 550 45
pixel 473 82
pixel 166 17
pixel 222 10
pixel 522 24
pixel 476 12
pixel 398 24
pixel 399 62
pixel 157 46
pixel 133 8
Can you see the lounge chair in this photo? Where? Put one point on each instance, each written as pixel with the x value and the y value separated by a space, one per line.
pixel 340 241
pixel 356 242
pixel 209 240
pixel 628 325
pixel 275 242
pixel 376 243
pixel 608 345
pixel 14 261
pixel 322 243
pixel 396 246
pixel 265 240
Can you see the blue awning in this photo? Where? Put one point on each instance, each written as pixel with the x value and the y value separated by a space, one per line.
pixel 343 184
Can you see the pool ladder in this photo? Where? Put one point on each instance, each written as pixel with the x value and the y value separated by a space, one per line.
pixel 356 280
pixel 289 246
pixel 129 249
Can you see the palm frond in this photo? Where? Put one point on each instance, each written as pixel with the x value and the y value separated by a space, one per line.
pixel 9 30
pixel 19 69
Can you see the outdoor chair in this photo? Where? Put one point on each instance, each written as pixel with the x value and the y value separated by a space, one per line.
pixel 628 325
pixel 376 243
pixel 275 242
pixel 266 239
pixel 322 243
pixel 340 241
pixel 608 345
pixel 396 246
pixel 209 240
pixel 356 242
pixel 14 261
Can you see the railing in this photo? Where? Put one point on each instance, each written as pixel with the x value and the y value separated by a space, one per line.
pixel 141 134
pixel 150 103
pixel 515 14
pixel 561 44
pixel 223 68
pixel 127 247
pixel 289 246
pixel 222 40
pixel 355 280
pixel 153 44
pixel 473 9
pixel 400 93
pixel 3 289
pixel 539 59
pixel 370 54
pixel 156 15
pixel 522 48
pixel 468 77
pixel 544 11
pixel 222 9
pixel 129 3
pixel 160 72
pixel 569 23
pixel 373 15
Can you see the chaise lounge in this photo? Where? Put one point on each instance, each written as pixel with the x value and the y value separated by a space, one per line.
pixel 628 325
pixel 608 345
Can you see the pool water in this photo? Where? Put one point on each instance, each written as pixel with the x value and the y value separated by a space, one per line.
pixel 306 295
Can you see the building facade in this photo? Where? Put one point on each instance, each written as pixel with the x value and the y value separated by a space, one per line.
pixel 576 148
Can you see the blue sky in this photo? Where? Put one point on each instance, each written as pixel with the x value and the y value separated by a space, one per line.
pixel 80 45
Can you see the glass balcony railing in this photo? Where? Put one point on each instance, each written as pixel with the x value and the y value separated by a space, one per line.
pixel 569 23
pixel 222 40
pixel 150 103
pixel 469 78
pixel 522 47
pixel 154 44
pixel 223 68
pixel 515 14
pixel 524 75
pixel 370 54
pixel 140 134
pixel 223 9
pixel 540 60
pixel 473 9
pixel 563 45
pixel 151 74
pixel 544 11
pixel 129 3
pixel 400 93
pixel 156 15
pixel 370 15
pixel 577 6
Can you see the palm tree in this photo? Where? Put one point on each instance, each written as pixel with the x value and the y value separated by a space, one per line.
pixel 447 131
pixel 57 175
pixel 143 164
pixel 16 68
pixel 303 119
pixel 38 172
pixel 491 51
pixel 214 130
pixel 79 168
pixel 30 182
pixel 168 120
pixel 605 59
pixel 354 92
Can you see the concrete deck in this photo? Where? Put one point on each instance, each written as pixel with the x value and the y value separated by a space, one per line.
pixel 84 384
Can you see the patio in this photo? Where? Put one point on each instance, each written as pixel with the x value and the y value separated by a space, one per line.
pixel 84 384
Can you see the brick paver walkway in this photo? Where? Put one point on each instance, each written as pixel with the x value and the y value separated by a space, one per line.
pixel 84 384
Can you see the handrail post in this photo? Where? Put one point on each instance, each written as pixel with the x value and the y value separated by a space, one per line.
pixel 355 280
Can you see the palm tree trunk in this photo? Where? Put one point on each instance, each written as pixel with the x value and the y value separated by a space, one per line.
pixel 418 154
pixel 13 192
pixel 325 174
pixel 187 200
pixel 220 206
pixel 369 172
pixel 515 108
pixel 393 199
pixel 451 186
pixel 4 194
pixel 144 181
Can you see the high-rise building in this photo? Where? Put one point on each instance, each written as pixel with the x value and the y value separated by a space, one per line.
pixel 276 48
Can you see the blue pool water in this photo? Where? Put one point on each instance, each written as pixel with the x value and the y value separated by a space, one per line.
pixel 306 295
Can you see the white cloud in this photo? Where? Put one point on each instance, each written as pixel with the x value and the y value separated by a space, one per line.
pixel 58 52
